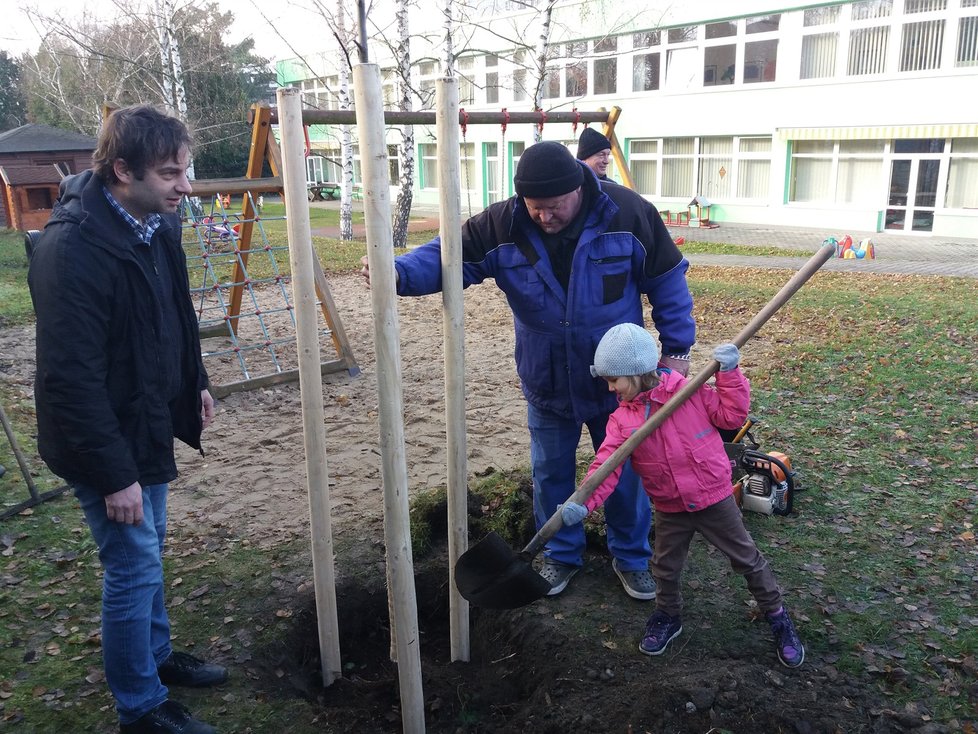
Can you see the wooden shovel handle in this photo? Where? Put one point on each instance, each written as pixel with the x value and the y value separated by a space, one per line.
pixel 555 523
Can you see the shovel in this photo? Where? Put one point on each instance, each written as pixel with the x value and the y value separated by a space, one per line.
pixel 491 575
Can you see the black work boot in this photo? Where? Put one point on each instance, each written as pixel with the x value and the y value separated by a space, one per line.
pixel 169 717
pixel 181 669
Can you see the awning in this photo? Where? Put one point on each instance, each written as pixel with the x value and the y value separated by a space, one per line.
pixel 882 132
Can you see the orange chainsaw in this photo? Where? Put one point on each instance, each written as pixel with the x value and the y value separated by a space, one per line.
pixel 762 483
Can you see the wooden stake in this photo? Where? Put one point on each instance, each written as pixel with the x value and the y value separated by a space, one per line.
pixel 310 378
pixel 383 297
pixel 450 206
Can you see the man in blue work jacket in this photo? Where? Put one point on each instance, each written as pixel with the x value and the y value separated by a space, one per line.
pixel 574 258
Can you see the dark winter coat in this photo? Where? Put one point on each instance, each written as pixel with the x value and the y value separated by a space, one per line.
pixel 624 251
pixel 102 414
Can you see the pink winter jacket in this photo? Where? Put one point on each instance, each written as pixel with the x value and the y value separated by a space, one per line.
pixel 682 464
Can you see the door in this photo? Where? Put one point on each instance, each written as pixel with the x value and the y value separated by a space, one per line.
pixel 913 186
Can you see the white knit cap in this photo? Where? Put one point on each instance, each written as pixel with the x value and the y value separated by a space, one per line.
pixel 625 350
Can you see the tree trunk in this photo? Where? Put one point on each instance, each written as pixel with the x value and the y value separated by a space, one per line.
pixel 346 145
pixel 172 67
pixel 405 195
pixel 540 57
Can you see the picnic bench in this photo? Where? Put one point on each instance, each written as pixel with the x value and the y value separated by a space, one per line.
pixel 323 190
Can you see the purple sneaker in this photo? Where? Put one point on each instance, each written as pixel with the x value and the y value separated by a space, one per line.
pixel 791 652
pixel 660 630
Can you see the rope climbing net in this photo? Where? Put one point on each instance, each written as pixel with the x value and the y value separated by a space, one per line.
pixel 246 317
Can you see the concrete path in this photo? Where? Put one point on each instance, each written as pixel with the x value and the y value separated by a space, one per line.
pixel 907 254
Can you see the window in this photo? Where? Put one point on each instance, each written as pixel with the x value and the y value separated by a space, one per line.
pixel 647 39
pixel 867 9
pixel 576 79
pixel 717 167
pixel 720 65
pixel 389 89
pixel 551 83
pixel 860 168
pixel 466 87
pixel 760 61
pixel 605 76
pixel 764 23
pixel 846 172
pixel 492 87
pixel 492 187
pixel 468 170
pixel 967 49
pixel 644 163
pixel 818 54
pixel 429 166
pixel 721 30
pixel 682 35
pixel 426 84
pixel 962 179
pixel 677 167
pixel 822 16
pixel 606 45
pixel 682 68
pixel 38 198
pixel 394 164
pixel 516 149
pixel 754 168
pixel 520 92
pixel 924 6
pixel 645 72
pixel 867 50
pixel 920 46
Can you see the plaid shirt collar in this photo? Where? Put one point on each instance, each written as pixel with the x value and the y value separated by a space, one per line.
pixel 144 230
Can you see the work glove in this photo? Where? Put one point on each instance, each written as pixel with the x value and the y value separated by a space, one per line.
pixel 727 355
pixel 572 513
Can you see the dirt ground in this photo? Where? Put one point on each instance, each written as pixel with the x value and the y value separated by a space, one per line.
pixel 565 664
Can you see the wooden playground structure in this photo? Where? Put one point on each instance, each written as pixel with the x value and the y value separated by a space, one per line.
pixel 230 331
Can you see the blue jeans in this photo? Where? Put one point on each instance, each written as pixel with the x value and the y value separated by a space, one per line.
pixel 553 458
pixel 135 626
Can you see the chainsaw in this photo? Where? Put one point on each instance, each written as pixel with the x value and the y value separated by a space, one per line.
pixel 762 483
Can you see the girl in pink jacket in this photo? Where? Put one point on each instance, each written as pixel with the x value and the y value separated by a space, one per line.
pixel 685 471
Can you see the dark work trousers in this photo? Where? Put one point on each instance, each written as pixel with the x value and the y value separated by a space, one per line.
pixel 722 525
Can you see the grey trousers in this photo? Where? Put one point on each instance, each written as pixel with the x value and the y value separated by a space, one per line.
pixel 723 526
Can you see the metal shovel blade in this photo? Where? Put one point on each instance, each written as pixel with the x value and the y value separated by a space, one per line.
pixel 491 575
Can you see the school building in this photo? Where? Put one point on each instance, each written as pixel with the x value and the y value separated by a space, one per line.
pixel 853 115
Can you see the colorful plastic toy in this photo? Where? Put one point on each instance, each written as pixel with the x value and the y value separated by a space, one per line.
pixel 866 250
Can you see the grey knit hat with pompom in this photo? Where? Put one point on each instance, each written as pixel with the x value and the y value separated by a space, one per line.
pixel 624 351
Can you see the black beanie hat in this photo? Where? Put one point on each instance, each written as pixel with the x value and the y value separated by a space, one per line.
pixel 546 170
pixel 591 142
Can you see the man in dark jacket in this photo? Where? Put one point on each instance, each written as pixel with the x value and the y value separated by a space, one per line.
pixel 595 150
pixel 119 375
pixel 574 259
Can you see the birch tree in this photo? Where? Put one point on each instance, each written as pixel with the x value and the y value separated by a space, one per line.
pixel 346 142
pixel 173 88
pixel 405 103
pixel 87 61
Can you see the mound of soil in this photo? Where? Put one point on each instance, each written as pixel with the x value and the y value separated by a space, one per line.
pixel 569 663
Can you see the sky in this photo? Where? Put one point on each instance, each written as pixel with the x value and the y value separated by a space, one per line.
pixel 303 29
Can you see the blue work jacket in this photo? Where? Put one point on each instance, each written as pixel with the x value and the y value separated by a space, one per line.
pixel 624 251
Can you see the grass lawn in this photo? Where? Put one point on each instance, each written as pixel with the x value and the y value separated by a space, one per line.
pixel 868 385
